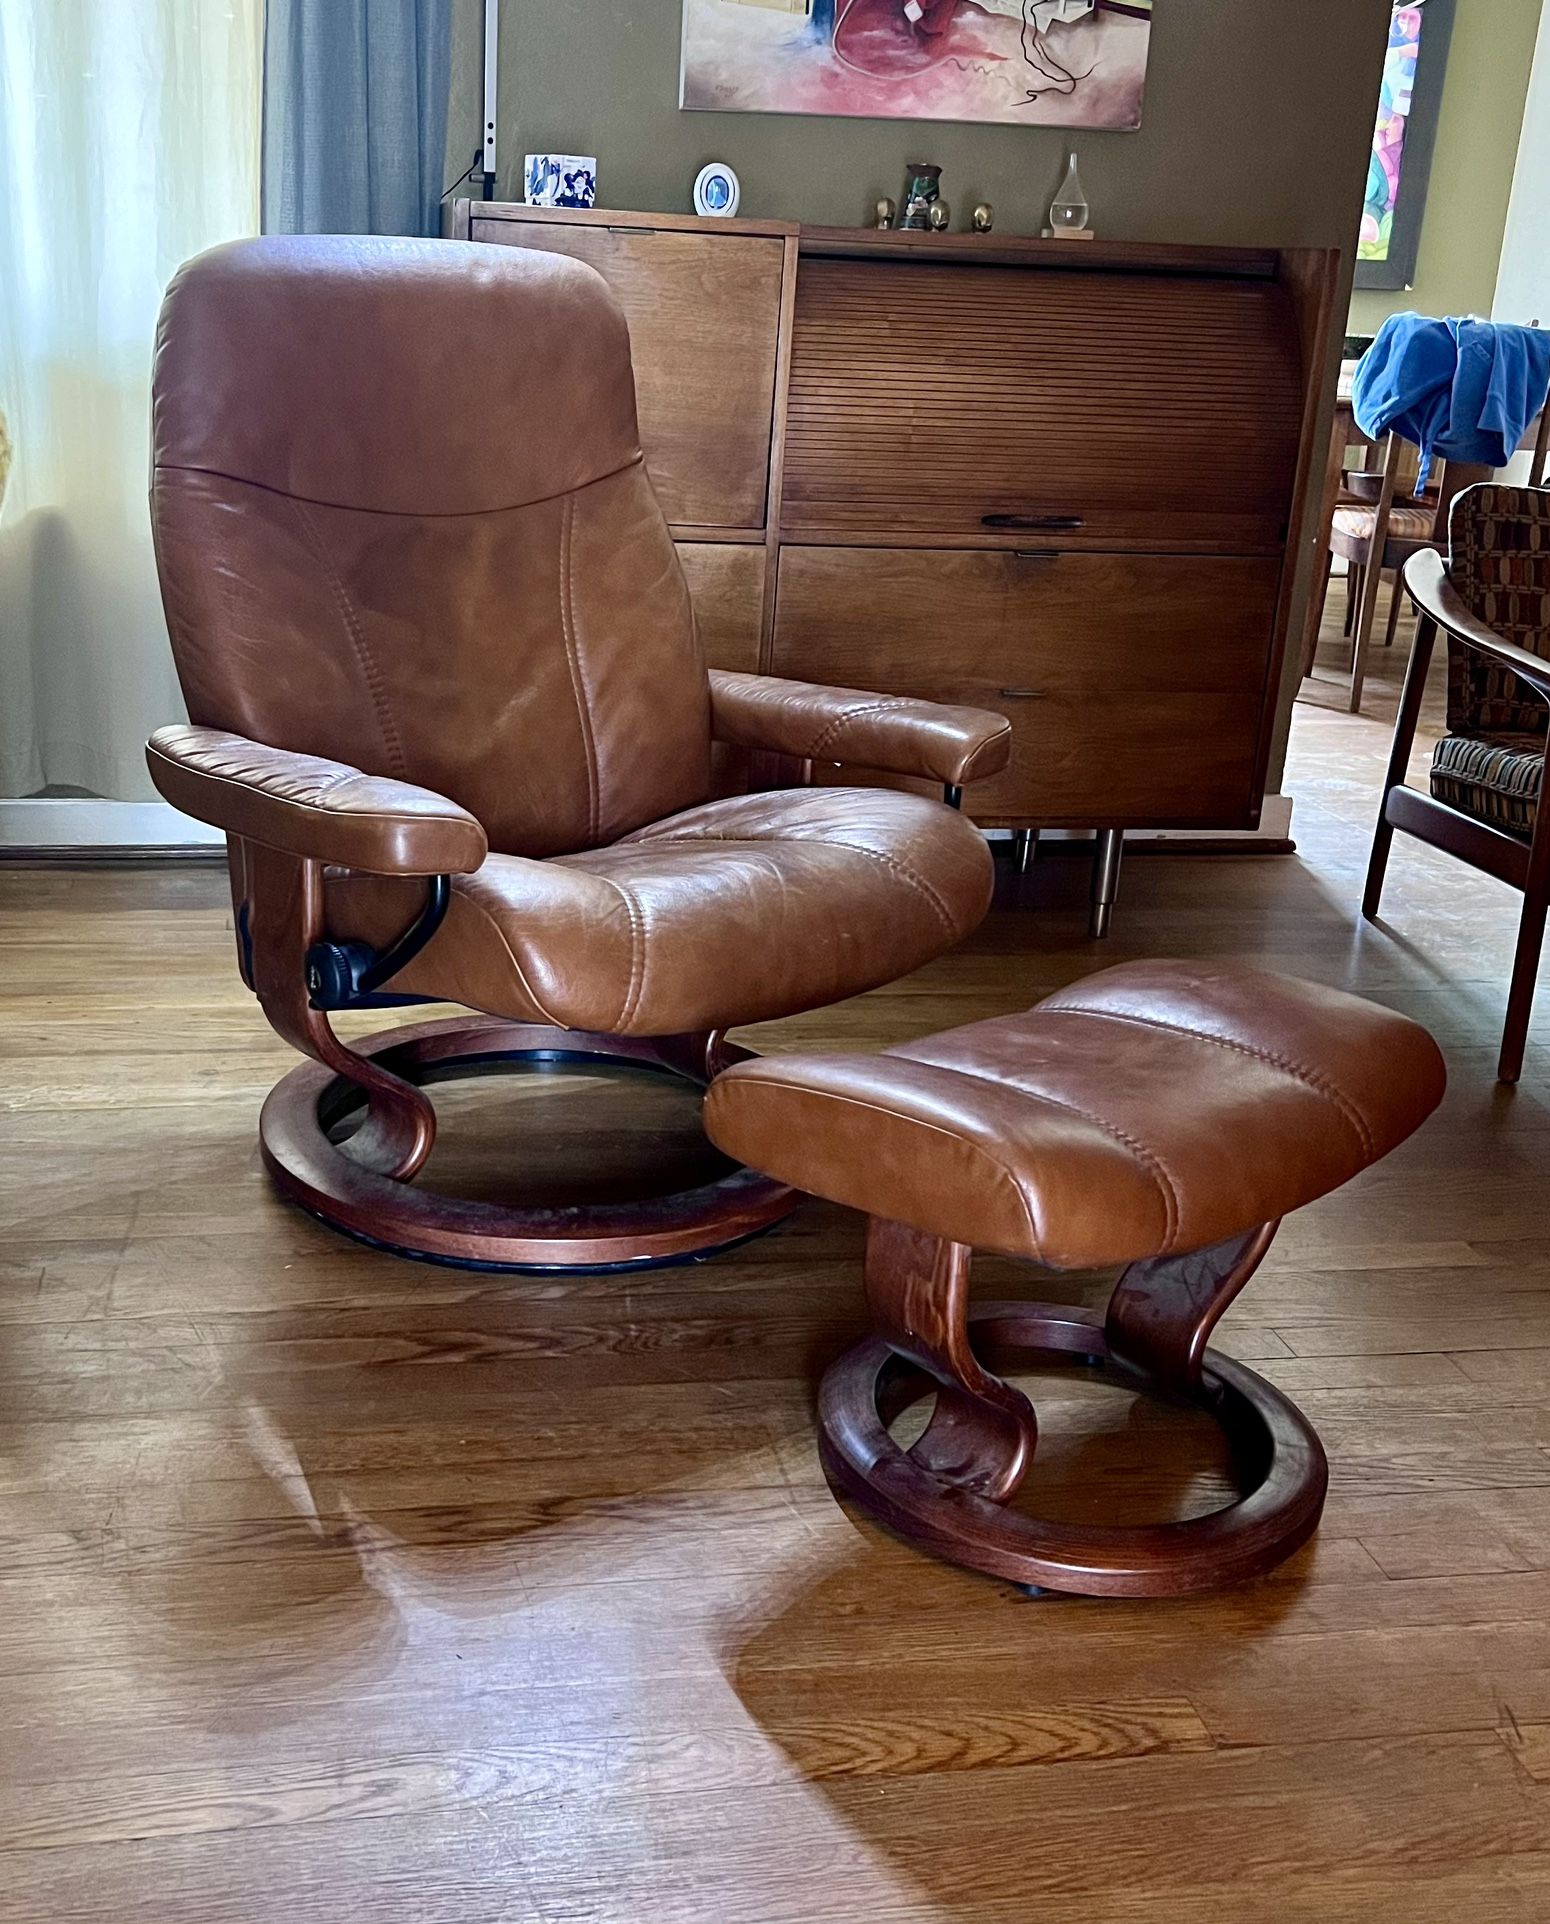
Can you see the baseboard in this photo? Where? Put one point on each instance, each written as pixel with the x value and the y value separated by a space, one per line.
pixel 73 825
pixel 1275 830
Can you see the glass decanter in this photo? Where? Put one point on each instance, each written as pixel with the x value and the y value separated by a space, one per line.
pixel 1068 210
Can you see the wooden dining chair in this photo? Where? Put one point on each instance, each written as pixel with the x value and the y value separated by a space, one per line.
pixel 1379 525
pixel 1492 600
pixel 1411 523
pixel 1539 460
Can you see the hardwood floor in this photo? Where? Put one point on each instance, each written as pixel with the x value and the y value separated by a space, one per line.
pixel 336 1588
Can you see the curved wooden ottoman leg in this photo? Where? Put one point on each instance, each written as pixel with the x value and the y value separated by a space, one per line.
pixel 948 1491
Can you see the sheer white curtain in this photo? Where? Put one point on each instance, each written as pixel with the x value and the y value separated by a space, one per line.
pixel 129 139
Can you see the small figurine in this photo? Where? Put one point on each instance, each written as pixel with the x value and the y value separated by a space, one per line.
pixel 922 185
pixel 885 214
pixel 939 214
pixel 717 191
pixel 984 217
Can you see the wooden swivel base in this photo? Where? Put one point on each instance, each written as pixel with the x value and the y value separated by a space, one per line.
pixel 948 1492
pixel 361 1183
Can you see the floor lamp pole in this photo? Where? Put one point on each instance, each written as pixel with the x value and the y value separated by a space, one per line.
pixel 492 39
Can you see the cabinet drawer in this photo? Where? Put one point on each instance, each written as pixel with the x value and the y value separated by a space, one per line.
pixel 704 313
pixel 1104 410
pixel 1135 684
pixel 726 584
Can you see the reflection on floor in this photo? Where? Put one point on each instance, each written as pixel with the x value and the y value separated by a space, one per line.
pixel 336 1588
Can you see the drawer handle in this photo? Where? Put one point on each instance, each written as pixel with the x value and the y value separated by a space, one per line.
pixel 1021 694
pixel 1049 523
pixel 1035 554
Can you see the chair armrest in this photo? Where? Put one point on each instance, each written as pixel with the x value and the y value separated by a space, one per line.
pixel 1436 599
pixel 320 810
pixel 930 739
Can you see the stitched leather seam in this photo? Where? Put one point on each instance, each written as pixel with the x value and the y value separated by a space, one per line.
pixel 1148 1158
pixel 511 956
pixel 637 982
pixel 573 662
pixel 827 733
pixel 907 874
pixel 916 1122
pixel 527 989
pixel 981 752
pixel 398 514
pixel 1299 1070
pixel 902 869
pixel 375 685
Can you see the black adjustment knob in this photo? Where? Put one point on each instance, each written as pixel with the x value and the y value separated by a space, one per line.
pixel 335 971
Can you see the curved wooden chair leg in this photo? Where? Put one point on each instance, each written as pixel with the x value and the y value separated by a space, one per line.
pixel 304 1111
pixel 362 1183
pixel 284 920
pixel 1395 601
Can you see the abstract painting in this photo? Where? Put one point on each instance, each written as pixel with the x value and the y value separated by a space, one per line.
pixel 1388 144
pixel 1040 63
pixel 1408 102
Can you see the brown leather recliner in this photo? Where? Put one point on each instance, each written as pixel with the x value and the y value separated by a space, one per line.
pixel 449 708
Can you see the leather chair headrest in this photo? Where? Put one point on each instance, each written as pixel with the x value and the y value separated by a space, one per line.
pixel 418 377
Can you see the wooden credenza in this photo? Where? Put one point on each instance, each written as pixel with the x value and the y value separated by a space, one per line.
pixel 1062 480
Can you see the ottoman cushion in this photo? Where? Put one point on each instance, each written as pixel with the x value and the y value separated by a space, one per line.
pixel 1154 1108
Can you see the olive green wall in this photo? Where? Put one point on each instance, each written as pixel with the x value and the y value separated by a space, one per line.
pixel 1257 126
pixel 1489 58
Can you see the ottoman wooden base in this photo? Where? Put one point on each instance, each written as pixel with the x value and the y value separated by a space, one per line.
pixel 1164 1115
pixel 1277 1452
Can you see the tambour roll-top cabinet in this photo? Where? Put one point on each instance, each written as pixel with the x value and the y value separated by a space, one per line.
pixel 1064 481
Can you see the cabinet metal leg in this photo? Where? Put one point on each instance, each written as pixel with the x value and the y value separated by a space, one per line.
pixel 1025 844
pixel 1106 859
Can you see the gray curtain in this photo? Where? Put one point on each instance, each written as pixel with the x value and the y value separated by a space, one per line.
pixel 355 115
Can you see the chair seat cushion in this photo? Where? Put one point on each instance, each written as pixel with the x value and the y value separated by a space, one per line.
pixel 1496 778
pixel 736 911
pixel 1155 1108
pixel 1405 523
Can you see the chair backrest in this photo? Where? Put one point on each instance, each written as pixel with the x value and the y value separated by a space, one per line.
pixel 402 521
pixel 1499 564
pixel 1539 454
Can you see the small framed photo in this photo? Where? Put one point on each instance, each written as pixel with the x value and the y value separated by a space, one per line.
pixel 560 180
pixel 717 191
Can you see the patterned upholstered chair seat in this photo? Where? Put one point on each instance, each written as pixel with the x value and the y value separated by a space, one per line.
pixel 1495 778
pixel 1407 522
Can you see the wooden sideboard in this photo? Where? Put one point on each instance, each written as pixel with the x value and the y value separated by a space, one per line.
pixel 1063 481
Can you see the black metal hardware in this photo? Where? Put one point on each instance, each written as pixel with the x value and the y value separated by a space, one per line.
pixel 1021 694
pixel 347 975
pixel 1049 523
pixel 953 795
pixel 1035 554
pixel 245 944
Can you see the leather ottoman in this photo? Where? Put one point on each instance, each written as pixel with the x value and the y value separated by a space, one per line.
pixel 1160 1115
